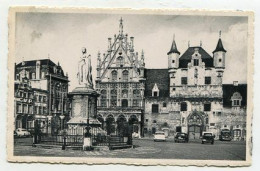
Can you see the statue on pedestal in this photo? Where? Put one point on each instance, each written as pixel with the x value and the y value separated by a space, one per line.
pixel 84 70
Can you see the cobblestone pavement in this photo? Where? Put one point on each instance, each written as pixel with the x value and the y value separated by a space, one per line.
pixel 147 148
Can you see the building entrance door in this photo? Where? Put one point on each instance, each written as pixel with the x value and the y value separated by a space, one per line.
pixel 194 132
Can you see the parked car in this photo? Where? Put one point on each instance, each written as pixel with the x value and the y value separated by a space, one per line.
pixel 207 137
pixel 181 137
pixel 21 132
pixel 135 135
pixel 159 136
pixel 225 136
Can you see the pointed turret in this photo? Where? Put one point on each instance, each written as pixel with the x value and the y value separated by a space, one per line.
pixel 173 47
pixel 219 54
pixel 219 47
pixel 173 55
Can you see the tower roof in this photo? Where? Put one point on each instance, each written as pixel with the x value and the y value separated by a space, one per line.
pixel 219 45
pixel 173 48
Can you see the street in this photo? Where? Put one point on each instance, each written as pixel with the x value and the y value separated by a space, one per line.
pixel 146 148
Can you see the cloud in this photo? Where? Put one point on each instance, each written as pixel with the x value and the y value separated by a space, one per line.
pixel 35 35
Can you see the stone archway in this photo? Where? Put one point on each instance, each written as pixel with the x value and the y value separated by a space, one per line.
pixel 110 124
pixel 122 125
pixel 134 124
pixel 195 125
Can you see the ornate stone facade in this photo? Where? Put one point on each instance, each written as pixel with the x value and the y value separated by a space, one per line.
pixel 120 82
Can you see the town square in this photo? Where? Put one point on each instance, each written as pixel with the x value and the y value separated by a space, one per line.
pixel 130 86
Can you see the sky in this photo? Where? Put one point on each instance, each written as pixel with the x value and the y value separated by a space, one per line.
pixel 61 36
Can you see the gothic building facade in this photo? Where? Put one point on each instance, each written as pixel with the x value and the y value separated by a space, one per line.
pixel 189 95
pixel 120 81
pixel 49 92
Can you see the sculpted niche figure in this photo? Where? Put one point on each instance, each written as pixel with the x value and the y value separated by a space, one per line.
pixel 84 74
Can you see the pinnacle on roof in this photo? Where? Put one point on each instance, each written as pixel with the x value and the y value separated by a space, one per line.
pixel 219 45
pixel 173 47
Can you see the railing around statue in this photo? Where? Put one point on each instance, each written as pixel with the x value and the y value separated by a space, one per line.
pixel 98 138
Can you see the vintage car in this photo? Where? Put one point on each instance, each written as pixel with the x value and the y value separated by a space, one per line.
pixel 21 132
pixel 181 137
pixel 159 136
pixel 225 135
pixel 207 137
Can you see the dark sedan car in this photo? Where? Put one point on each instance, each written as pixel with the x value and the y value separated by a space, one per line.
pixel 207 137
pixel 181 137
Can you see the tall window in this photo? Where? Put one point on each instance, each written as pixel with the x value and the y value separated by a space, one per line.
pixel 124 103
pixel 120 61
pixel 196 62
pixel 135 102
pixel 183 106
pixel 184 80
pixel 207 80
pixel 113 101
pixel 125 75
pixel 155 108
pixel 114 75
pixel 207 107
pixel 103 98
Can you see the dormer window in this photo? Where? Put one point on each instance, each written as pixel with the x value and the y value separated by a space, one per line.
pixel 236 99
pixel 155 91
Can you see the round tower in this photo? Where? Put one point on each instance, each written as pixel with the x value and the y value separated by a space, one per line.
pixel 173 56
pixel 219 54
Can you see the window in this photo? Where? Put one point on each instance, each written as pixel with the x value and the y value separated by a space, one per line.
pixel 184 80
pixel 183 106
pixel 219 60
pixel 173 89
pixel 120 61
pixel 103 98
pixel 207 107
pixel 173 61
pixel 212 124
pixel 155 94
pixel 155 108
pixel 207 80
pixel 124 103
pixel 125 75
pixel 40 98
pixel 113 100
pixel 114 75
pixel 236 102
pixel 236 99
pixel 164 104
pixel 154 121
pixel 196 62
pixel 146 120
pixel 135 103
pixel 136 93
pixel 207 120
pixel 124 93
pixel 33 75
pixel 145 130
pixel 183 120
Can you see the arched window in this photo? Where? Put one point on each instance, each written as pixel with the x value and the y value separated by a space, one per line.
pixel 124 93
pixel 136 93
pixel 125 75
pixel 114 75
pixel 113 101
pixel 103 98
pixel 120 61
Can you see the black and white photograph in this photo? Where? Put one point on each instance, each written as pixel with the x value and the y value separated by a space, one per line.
pixel 130 86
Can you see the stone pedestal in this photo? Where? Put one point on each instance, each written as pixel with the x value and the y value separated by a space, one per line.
pixel 84 110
